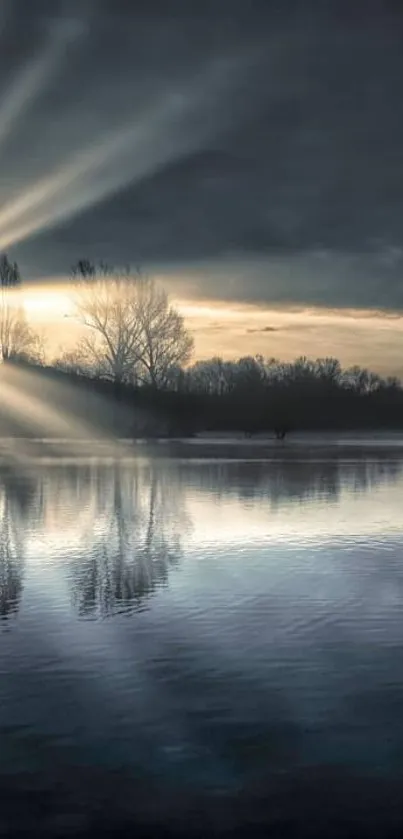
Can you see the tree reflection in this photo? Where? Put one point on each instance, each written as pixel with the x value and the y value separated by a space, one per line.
pixel 282 481
pixel 138 540
pixel 116 530
pixel 16 494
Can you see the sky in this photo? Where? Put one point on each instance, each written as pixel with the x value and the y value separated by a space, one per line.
pixel 248 154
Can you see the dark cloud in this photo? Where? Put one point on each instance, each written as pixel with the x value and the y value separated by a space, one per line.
pixel 254 149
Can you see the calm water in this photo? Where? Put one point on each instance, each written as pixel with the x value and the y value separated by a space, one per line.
pixel 202 645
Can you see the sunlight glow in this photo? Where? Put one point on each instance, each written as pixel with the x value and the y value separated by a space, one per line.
pixel 48 304
pixel 234 526
pixel 231 330
pixel 40 414
pixel 236 523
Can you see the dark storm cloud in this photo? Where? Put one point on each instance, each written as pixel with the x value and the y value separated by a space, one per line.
pixel 253 148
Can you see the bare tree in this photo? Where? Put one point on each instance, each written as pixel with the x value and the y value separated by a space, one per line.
pixel 17 338
pixel 213 376
pixel 361 380
pixel 71 361
pixel 133 334
pixel 164 342
pixel 10 280
pixel 10 276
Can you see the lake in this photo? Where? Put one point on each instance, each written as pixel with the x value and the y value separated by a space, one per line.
pixel 202 644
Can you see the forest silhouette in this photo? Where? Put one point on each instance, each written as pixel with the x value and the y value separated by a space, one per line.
pixel 252 396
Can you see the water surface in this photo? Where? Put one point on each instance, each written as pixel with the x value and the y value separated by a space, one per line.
pixel 198 643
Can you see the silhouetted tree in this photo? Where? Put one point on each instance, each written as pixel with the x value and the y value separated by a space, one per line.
pixel 360 380
pixel 250 395
pixel 257 395
pixel 17 338
pixel 133 333
pixel 165 343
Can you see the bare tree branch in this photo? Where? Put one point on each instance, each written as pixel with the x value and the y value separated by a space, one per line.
pixel 136 334
pixel 17 338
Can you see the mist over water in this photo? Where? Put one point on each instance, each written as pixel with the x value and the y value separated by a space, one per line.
pixel 183 636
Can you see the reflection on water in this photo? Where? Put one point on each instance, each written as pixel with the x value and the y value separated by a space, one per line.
pixel 137 538
pixel 15 499
pixel 120 528
pixel 287 481
pixel 215 636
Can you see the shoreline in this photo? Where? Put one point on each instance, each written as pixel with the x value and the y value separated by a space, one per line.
pixel 296 448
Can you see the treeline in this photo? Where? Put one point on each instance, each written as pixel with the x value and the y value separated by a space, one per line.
pixel 257 395
pixel 254 395
pixel 135 349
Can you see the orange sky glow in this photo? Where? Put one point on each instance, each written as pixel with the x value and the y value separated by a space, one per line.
pixel 231 330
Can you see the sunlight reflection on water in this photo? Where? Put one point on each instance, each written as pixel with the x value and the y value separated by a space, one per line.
pixel 198 627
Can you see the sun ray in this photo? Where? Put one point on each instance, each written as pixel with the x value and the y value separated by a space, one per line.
pixel 33 79
pixel 152 139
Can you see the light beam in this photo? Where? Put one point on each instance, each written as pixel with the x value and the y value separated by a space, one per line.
pixel 32 80
pixel 172 126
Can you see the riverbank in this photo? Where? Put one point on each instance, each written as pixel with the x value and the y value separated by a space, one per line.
pixel 311 446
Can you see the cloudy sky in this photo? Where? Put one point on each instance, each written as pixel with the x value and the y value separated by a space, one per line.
pixel 248 152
